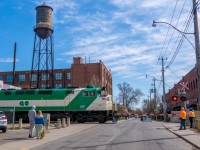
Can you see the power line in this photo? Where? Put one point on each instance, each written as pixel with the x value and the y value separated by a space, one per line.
pixel 181 40
pixel 173 72
pixel 166 36
pixel 170 27
pixel 176 26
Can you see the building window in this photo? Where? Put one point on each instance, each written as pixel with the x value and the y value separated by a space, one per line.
pixel 43 86
pixel 196 83
pixel 9 78
pixel 1 77
pixel 58 85
pixel 68 85
pixel 34 77
pixel 33 86
pixel 21 78
pixel 68 75
pixel 45 77
pixel 58 76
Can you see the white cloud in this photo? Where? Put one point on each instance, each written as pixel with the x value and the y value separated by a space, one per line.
pixel 7 60
pixel 122 35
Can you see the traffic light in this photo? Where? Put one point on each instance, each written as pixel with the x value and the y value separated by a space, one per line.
pixel 174 98
pixel 183 98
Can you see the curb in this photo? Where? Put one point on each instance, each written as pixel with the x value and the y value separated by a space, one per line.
pixel 196 146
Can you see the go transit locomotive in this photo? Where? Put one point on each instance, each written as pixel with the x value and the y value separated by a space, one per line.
pixel 80 104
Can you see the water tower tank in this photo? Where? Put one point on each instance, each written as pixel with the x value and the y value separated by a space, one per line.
pixel 43 26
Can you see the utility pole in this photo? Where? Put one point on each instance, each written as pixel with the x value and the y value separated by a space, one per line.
pixel 154 88
pixel 196 34
pixel 14 62
pixel 163 79
pixel 154 92
pixel 150 102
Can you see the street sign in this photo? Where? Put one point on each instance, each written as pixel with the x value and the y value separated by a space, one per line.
pixel 184 86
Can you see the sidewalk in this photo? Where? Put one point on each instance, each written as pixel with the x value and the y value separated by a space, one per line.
pixel 51 135
pixel 191 136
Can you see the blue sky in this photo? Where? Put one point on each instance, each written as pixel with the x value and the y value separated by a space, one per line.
pixel 118 32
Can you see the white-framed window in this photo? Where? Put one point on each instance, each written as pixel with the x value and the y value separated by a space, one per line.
pixel 34 77
pixel 9 78
pixel 59 85
pixel 68 85
pixel 33 86
pixel 68 75
pixel 21 78
pixel 58 76
pixel 43 86
pixel 45 77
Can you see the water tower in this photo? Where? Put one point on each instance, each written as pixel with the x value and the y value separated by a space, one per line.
pixel 43 59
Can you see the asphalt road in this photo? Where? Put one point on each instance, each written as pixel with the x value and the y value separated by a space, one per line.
pixel 127 135
pixel 13 135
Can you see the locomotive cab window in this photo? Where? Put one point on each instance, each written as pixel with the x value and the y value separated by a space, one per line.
pixel 7 93
pixel 88 93
pixel 45 92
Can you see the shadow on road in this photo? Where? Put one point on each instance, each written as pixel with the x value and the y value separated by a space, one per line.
pixel 112 144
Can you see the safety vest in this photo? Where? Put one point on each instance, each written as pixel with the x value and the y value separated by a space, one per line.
pixel 183 114
pixel 191 114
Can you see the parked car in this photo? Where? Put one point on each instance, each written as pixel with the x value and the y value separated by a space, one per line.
pixel 143 117
pixel 3 122
pixel 147 119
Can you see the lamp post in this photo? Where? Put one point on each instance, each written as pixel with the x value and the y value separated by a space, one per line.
pixel 196 47
pixel 154 24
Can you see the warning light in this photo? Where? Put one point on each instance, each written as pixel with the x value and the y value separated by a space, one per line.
pixel 174 98
pixel 183 98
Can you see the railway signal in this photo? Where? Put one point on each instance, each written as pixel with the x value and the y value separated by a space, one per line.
pixel 174 98
pixel 183 98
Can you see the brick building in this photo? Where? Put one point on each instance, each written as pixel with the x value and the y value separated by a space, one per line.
pixel 79 75
pixel 191 95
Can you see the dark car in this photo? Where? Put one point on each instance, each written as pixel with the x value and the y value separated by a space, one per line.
pixel 143 117
pixel 3 122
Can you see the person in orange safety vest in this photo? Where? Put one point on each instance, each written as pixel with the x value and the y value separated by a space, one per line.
pixel 183 118
pixel 191 117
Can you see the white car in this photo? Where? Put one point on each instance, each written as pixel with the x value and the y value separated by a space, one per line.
pixel 3 122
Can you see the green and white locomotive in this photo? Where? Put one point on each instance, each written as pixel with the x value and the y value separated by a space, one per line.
pixel 80 104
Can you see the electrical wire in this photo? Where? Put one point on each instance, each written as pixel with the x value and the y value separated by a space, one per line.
pixel 174 73
pixel 166 36
pixel 170 26
pixel 181 40
pixel 175 26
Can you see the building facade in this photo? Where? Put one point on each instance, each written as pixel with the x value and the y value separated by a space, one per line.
pixel 79 75
pixel 191 89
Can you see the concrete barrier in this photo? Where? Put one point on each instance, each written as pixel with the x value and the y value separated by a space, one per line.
pixel 58 123
pixel 63 122
pixel 20 123
pixel 68 121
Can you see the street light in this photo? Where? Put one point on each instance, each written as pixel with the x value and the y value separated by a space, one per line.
pixel 197 44
pixel 154 24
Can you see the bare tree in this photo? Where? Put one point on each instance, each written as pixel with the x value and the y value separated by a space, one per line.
pixel 152 106
pixel 127 95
